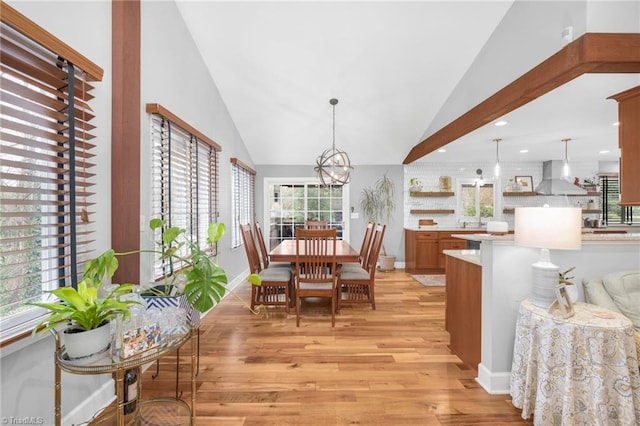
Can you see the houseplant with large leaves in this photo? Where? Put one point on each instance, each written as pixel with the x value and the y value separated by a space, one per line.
pixel 194 275
pixel 86 312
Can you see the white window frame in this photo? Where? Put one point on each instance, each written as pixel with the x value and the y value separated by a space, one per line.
pixel 477 218
pixel 266 197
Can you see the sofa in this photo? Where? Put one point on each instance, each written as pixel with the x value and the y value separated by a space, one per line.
pixel 619 292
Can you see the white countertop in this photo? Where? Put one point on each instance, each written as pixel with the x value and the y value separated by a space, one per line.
pixel 471 256
pixel 444 228
pixel 586 237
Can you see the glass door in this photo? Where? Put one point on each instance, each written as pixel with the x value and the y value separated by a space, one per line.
pixel 290 202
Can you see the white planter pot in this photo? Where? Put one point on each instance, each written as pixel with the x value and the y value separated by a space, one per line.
pixel 80 343
pixel 387 263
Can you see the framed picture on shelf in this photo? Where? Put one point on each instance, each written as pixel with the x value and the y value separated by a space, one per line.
pixel 525 183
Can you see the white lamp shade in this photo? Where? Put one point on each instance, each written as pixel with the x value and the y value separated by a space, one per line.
pixel 548 227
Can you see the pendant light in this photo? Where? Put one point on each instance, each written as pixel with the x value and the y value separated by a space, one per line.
pixel 496 170
pixel 565 168
pixel 333 165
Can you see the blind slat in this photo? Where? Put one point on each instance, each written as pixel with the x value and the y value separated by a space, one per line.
pixel 41 244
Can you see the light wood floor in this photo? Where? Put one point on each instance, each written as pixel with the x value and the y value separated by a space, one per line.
pixel 390 366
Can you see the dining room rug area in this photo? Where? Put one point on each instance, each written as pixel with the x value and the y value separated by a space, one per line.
pixel 430 280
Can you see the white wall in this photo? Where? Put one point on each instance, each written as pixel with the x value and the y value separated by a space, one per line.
pixel 361 176
pixel 173 74
pixel 430 172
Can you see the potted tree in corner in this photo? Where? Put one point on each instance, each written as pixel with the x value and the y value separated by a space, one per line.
pixel 377 203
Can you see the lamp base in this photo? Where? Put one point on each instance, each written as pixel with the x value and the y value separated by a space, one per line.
pixel 545 280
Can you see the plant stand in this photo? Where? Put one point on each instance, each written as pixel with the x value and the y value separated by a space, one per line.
pixel 112 363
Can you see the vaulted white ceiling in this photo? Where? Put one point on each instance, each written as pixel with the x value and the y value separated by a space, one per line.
pixel 391 65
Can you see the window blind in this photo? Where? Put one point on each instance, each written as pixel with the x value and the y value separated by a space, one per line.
pixel 243 205
pixel 46 171
pixel 612 212
pixel 184 183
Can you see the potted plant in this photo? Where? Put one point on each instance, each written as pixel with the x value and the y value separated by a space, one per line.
pixel 198 282
pixel 86 312
pixel 415 185
pixel 377 203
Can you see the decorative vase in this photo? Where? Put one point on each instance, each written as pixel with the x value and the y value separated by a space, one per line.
pixel 161 302
pixel 81 343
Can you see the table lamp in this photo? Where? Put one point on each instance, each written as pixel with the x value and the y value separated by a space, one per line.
pixel 547 228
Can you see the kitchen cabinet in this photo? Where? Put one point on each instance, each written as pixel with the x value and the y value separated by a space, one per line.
pixel 447 242
pixel 628 134
pixel 463 315
pixel 426 250
pixel 423 249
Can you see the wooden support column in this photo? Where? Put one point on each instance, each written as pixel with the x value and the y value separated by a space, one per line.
pixel 125 137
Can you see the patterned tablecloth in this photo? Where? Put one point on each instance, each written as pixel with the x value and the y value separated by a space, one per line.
pixel 582 370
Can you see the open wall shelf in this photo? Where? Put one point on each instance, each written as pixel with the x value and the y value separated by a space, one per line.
pixel 431 194
pixel 432 211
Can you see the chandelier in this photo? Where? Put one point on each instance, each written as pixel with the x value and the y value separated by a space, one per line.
pixel 333 166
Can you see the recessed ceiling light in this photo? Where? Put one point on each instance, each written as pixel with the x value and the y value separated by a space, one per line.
pixel 604 151
pixel 617 123
pixel 524 151
pixel 500 123
pixel 442 150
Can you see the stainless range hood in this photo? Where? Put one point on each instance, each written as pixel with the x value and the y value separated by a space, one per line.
pixel 553 183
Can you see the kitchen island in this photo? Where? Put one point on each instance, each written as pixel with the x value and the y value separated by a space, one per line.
pixel 506 282
pixel 464 304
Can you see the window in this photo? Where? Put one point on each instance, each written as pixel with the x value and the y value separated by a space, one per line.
pixel 185 180
pixel 46 173
pixel 292 203
pixel 612 212
pixel 243 206
pixel 476 201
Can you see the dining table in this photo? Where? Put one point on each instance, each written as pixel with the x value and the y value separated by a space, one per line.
pixel 286 252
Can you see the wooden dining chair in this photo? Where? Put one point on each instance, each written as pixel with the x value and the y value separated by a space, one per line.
pixel 266 263
pixel 357 285
pixel 365 249
pixel 276 282
pixel 316 270
pixel 316 224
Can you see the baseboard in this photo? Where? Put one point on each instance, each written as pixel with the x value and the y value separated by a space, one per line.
pixel 96 402
pixel 494 383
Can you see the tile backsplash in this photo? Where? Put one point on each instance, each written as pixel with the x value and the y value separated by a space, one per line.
pixel 429 174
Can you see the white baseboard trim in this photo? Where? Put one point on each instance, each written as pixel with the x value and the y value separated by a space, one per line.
pixel 494 383
pixel 96 402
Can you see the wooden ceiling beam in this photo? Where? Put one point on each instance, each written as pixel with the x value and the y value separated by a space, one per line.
pixel 591 53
